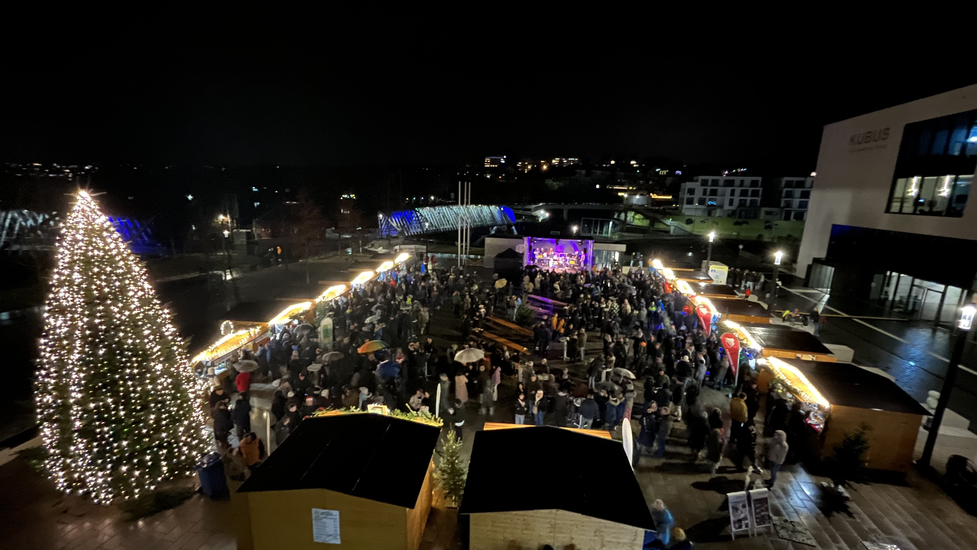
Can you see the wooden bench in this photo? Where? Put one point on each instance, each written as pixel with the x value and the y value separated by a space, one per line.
pixel 523 331
pixel 503 341
pixel 556 304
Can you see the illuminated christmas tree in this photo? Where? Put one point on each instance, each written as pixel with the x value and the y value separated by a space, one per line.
pixel 120 410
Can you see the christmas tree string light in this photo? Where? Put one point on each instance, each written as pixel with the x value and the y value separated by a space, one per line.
pixel 119 408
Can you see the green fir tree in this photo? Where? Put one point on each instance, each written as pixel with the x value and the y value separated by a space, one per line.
pixel 452 471
pixel 120 411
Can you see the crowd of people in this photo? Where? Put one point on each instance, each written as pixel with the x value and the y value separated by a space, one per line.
pixel 404 374
pixel 653 350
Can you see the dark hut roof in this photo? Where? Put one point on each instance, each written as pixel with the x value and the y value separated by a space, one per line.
pixel 741 307
pixel 848 385
pixel 300 293
pixel 255 312
pixel 371 456
pixel 713 289
pixel 693 276
pixel 608 491
pixel 786 338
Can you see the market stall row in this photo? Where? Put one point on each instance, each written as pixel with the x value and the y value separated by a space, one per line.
pixel 241 329
pixel 822 401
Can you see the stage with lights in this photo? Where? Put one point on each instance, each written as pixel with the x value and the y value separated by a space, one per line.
pixel 559 254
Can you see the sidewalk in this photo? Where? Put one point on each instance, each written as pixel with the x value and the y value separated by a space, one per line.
pixel 914 353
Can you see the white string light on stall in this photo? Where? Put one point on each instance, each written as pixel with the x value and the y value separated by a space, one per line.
pixel 808 394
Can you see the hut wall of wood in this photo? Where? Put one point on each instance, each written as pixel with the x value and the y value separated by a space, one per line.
pixel 417 516
pixel 892 438
pixel 283 519
pixel 529 530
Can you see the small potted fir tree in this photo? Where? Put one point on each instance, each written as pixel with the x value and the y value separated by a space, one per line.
pixel 451 471
pixel 847 462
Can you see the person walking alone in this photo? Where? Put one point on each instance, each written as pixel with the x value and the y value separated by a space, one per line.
pixel 776 454
pixel 663 521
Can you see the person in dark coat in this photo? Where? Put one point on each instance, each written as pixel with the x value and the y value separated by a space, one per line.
pixel 560 407
pixel 698 432
pixel 649 429
pixel 776 417
pixel 588 411
pixel 744 438
pixel 302 383
pixel 456 416
pixel 242 416
pixel 600 399
pixel 223 424
pixel 217 395
pixel 283 430
pixel 664 428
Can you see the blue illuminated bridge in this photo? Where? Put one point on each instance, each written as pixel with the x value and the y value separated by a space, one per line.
pixel 440 219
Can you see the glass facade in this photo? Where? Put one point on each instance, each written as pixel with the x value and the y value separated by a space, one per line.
pixel 935 167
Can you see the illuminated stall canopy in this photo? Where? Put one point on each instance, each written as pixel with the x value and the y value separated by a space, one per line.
pixel 252 315
pixel 781 341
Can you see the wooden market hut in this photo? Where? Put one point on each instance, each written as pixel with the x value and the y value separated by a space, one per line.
pixel 691 275
pixel 366 478
pixel 714 291
pixel 742 311
pixel 859 395
pixel 787 342
pixel 254 312
pixel 597 505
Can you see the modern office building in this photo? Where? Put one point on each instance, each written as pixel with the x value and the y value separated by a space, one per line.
pixel 722 196
pixel 794 194
pixel 888 220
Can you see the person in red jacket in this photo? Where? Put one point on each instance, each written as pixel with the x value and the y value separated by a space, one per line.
pixel 243 382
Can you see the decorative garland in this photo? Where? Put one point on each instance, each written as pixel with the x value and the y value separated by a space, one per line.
pixel 420 417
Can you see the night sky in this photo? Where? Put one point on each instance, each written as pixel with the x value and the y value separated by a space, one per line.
pixel 342 91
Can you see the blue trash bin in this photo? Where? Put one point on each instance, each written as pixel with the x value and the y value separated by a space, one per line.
pixel 213 482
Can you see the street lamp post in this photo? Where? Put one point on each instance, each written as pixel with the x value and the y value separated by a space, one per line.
pixel 712 237
pixel 963 329
pixel 777 258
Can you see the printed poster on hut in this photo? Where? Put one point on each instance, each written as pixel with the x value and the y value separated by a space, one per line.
pixel 325 526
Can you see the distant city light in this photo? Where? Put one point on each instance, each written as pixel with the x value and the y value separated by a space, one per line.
pixel 227 233
pixel 678 172
pixel 612 162
pixel 254 189
pixel 814 174
pixel 189 197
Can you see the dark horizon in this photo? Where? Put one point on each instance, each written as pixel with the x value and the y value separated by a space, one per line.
pixel 415 92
